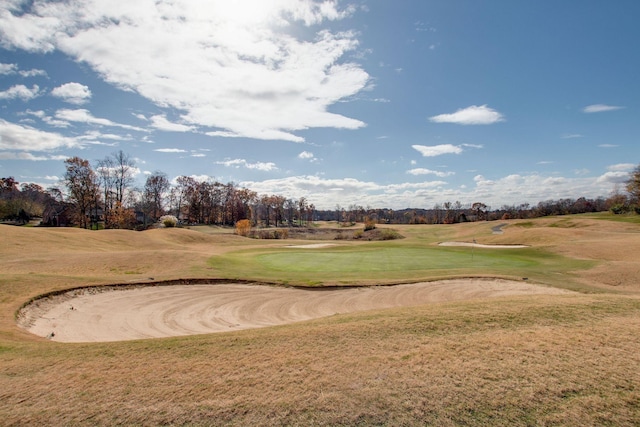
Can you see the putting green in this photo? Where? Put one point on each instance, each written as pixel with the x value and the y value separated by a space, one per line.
pixel 392 259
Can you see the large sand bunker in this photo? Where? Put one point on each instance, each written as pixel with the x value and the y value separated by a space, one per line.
pixel 164 311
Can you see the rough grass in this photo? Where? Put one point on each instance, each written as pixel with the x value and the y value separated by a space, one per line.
pixel 564 360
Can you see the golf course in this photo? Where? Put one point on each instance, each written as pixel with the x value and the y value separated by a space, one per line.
pixel 532 323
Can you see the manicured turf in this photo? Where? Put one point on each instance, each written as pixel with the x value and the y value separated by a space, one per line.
pixel 388 263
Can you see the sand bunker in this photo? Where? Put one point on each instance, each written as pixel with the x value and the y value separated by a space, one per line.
pixel 164 311
pixel 480 245
pixel 312 246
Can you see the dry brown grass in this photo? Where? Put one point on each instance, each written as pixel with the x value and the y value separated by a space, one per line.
pixel 562 360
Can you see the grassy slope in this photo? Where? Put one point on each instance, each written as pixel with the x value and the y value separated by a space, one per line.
pixel 569 360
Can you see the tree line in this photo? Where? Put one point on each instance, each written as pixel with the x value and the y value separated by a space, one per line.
pixel 106 197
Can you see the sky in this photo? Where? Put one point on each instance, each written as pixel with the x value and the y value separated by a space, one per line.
pixel 382 104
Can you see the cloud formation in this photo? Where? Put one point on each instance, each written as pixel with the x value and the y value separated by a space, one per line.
pixel 84 116
pixel 473 115
pixel 235 69
pixel 73 93
pixel 261 166
pixel 20 92
pixel 24 138
pixel 423 171
pixel 599 108
pixel 437 150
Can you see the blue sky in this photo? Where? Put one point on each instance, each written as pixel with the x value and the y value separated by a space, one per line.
pixel 398 104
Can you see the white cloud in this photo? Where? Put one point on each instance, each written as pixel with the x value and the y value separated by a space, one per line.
pixel 625 167
pixel 8 68
pixel 571 136
pixel 73 93
pixel 24 138
pixel 160 122
pixel 32 73
pixel 473 115
pixel 306 155
pixel 95 136
pixel 170 150
pixel 599 108
pixel 84 116
pixel 423 171
pixel 437 150
pixel 326 193
pixel 8 155
pixel 20 91
pixel 613 177
pixel 261 166
pixel 236 68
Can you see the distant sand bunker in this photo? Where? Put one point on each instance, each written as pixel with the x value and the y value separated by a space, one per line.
pixel 480 245
pixel 164 311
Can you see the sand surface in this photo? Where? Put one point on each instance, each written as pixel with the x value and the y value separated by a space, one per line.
pixel 480 245
pixel 164 311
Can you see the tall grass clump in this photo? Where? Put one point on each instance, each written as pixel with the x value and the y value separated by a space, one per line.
pixel 169 221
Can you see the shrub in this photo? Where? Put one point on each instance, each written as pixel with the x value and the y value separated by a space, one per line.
pixel 369 224
pixel 168 221
pixel 388 234
pixel 619 209
pixel 281 233
pixel 243 227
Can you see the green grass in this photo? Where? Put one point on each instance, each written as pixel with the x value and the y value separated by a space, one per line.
pixel 382 262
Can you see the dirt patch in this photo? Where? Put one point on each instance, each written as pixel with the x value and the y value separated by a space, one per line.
pixel 94 315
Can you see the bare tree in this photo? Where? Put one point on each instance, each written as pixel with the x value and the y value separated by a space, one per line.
pixel 124 170
pixel 155 188
pixel 82 183
pixel 633 185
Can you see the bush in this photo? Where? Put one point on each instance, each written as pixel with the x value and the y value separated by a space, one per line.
pixel 619 209
pixel 243 228
pixel 280 233
pixel 168 221
pixel 369 224
pixel 388 234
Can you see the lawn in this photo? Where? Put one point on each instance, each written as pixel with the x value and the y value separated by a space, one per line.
pixel 392 262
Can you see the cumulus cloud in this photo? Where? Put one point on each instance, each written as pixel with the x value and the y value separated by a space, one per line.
pixel 84 116
pixel 235 67
pixel 6 69
pixel 437 150
pixel 24 138
pixel 625 167
pixel 20 91
pixel 8 155
pixel 160 122
pixel 10 69
pixel 613 177
pixel 599 108
pixel 326 193
pixel 170 150
pixel 473 115
pixel 423 171
pixel 261 166
pixel 73 93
